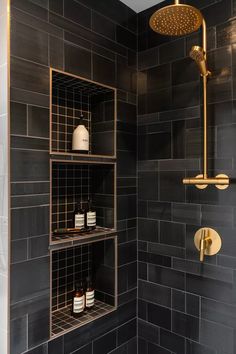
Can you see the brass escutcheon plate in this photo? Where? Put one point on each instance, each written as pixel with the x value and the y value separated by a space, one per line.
pixel 201 186
pixel 214 246
pixel 220 186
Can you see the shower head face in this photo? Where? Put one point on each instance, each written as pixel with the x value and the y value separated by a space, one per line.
pixel 176 20
pixel 198 55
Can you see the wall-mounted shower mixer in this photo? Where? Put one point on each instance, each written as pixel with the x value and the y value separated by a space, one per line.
pixel 221 181
pixel 208 242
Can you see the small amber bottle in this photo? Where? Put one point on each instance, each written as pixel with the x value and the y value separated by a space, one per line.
pixel 89 294
pixel 78 300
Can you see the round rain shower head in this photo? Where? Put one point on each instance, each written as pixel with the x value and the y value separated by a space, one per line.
pixel 197 53
pixel 176 20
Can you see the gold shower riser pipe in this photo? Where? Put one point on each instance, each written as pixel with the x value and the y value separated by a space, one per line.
pixel 204 79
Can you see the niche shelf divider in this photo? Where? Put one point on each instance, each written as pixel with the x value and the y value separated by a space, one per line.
pixel 75 177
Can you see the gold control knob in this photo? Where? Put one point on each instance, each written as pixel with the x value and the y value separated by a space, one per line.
pixel 208 242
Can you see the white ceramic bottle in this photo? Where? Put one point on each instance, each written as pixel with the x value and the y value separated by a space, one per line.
pixel 80 140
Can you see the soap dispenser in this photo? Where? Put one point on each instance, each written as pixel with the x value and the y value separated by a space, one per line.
pixel 80 139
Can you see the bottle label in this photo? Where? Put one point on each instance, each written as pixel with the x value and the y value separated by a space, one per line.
pixel 79 220
pixel 78 304
pixel 91 218
pixel 90 298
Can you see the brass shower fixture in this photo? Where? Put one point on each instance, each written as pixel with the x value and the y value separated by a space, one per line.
pixel 178 20
pixel 198 55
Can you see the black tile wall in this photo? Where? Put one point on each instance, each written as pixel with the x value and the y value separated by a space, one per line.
pixel 185 307
pixel 95 40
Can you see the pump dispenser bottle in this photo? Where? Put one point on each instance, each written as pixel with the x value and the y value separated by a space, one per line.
pixel 80 139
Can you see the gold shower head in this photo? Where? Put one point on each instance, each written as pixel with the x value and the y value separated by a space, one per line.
pixel 176 20
pixel 199 56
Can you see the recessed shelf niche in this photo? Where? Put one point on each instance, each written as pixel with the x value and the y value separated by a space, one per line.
pixel 74 182
pixel 72 264
pixel 70 96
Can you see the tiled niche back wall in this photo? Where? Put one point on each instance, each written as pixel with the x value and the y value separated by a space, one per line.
pixel 186 307
pixel 67 109
pixel 70 186
pixel 95 40
pixel 69 266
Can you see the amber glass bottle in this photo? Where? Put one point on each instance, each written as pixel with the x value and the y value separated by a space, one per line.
pixel 78 300
pixel 89 294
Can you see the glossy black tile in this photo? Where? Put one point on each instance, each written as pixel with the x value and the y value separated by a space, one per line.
pixel 28 222
pixel 172 341
pixel 148 230
pixel 148 58
pixel 217 215
pixel 126 332
pixel 166 277
pixel 56 346
pixel 190 213
pixel 56 53
pixel 193 305
pixel 154 293
pixel 38 169
pixel 37 79
pixel 18 118
pixel 38 121
pixel 158 77
pixel 148 332
pixel 78 13
pixel 105 344
pixel 195 348
pixel 56 6
pixel 31 286
pixel 31 8
pixel 210 288
pixel 185 325
pixel 38 328
pixel 218 337
pixel 159 316
pixel 218 312
pixel 159 210
pixel 166 250
pixel 103 25
pixel 155 146
pixel 172 234
pixel 185 95
pixel 148 185
pixel 184 71
pixel 171 187
pixel 172 51
pixel 125 37
pixel 29 43
pixel 178 300
pixel 75 55
pixel 103 70
pixel 18 335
